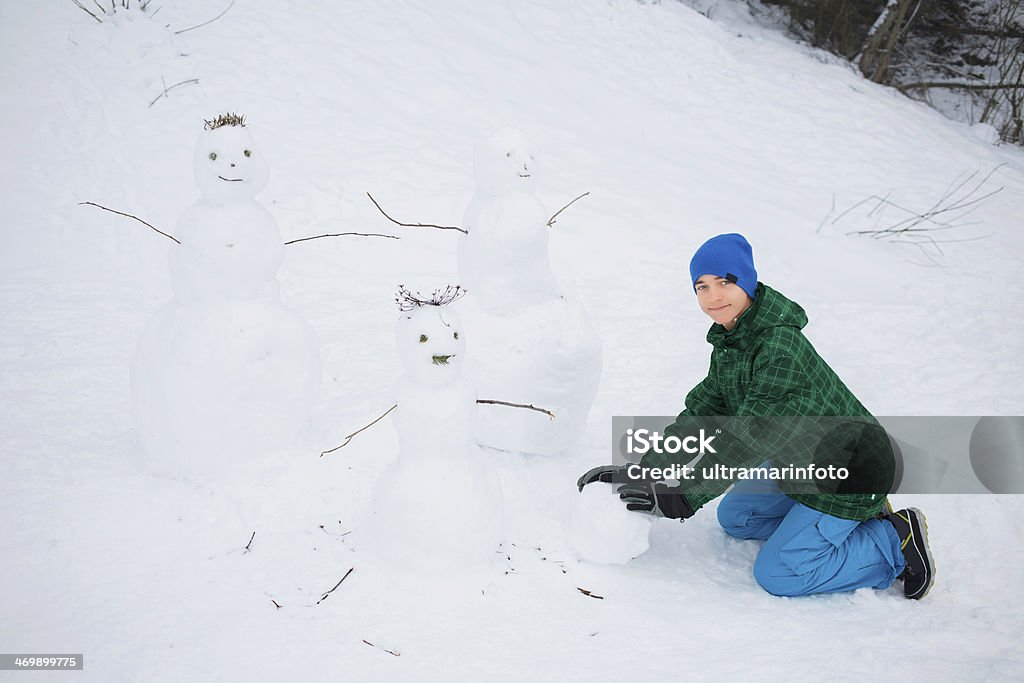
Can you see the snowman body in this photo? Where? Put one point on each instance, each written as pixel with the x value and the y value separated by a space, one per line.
pixel 224 367
pixel 438 506
pixel 532 343
pixel 227 252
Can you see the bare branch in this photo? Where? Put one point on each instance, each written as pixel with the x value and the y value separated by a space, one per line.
pixel 551 221
pixel 166 89
pixel 190 28
pixel 86 10
pixel 119 213
pixel 390 652
pixel 250 542
pixel 344 234
pixel 324 597
pixel 964 86
pixel 414 225
pixel 517 405
pixel 349 437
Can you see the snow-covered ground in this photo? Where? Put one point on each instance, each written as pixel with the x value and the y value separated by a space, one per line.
pixel 680 128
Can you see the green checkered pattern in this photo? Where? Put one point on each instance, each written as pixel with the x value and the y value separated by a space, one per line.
pixel 765 367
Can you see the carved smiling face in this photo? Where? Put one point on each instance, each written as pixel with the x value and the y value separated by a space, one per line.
pixel 431 344
pixel 504 163
pixel 227 165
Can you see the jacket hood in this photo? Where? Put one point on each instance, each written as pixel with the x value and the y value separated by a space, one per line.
pixel 770 309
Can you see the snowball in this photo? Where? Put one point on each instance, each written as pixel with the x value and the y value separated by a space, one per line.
pixel 603 531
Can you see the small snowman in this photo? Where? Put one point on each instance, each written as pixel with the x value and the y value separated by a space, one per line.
pixel 531 341
pixel 438 506
pixel 224 367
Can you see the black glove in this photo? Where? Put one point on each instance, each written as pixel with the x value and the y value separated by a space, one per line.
pixel 609 474
pixel 656 498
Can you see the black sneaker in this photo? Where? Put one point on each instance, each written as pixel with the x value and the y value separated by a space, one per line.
pixel 919 574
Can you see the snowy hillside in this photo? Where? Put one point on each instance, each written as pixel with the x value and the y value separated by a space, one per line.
pixel 679 128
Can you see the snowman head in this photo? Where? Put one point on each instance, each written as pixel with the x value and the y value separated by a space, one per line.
pixel 431 344
pixel 504 163
pixel 227 164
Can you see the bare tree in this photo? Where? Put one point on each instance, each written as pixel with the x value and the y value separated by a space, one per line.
pixel 876 53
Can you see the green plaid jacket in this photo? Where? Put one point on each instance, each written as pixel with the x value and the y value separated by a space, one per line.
pixel 764 368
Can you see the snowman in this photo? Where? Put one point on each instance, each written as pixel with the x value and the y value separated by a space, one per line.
pixel 224 367
pixel 531 341
pixel 438 506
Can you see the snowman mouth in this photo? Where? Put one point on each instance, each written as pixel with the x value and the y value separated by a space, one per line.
pixel 524 175
pixel 231 180
pixel 442 360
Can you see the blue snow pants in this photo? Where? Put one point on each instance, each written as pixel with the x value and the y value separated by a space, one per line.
pixel 807 551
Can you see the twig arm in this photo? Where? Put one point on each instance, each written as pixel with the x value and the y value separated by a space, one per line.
pixel 344 234
pixel 551 221
pixel 349 437
pixel 516 405
pixel 415 225
pixel 128 215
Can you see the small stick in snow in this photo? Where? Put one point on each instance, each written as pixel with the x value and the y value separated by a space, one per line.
pixel 516 405
pixel 166 89
pixel 249 543
pixel 414 225
pixel 324 597
pixel 349 437
pixel 275 603
pixel 551 221
pixel 344 234
pixel 589 594
pixel 397 654
pixel 119 213
pixel 84 9
pixel 207 22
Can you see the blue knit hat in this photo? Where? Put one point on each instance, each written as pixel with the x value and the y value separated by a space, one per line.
pixel 728 256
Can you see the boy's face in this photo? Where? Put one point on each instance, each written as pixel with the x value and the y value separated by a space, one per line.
pixel 722 300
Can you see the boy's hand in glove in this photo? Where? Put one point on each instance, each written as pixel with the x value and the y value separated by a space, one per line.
pixel 609 474
pixel 640 495
pixel 656 498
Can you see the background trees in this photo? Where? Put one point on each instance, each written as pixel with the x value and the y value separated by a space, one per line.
pixel 964 57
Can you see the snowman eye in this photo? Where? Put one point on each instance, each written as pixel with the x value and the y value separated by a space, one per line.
pixel 213 156
pixel 456 335
pixel 247 153
pixel 423 338
pixel 508 154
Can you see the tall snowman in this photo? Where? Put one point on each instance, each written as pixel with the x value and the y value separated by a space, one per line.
pixel 438 506
pixel 531 342
pixel 224 368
